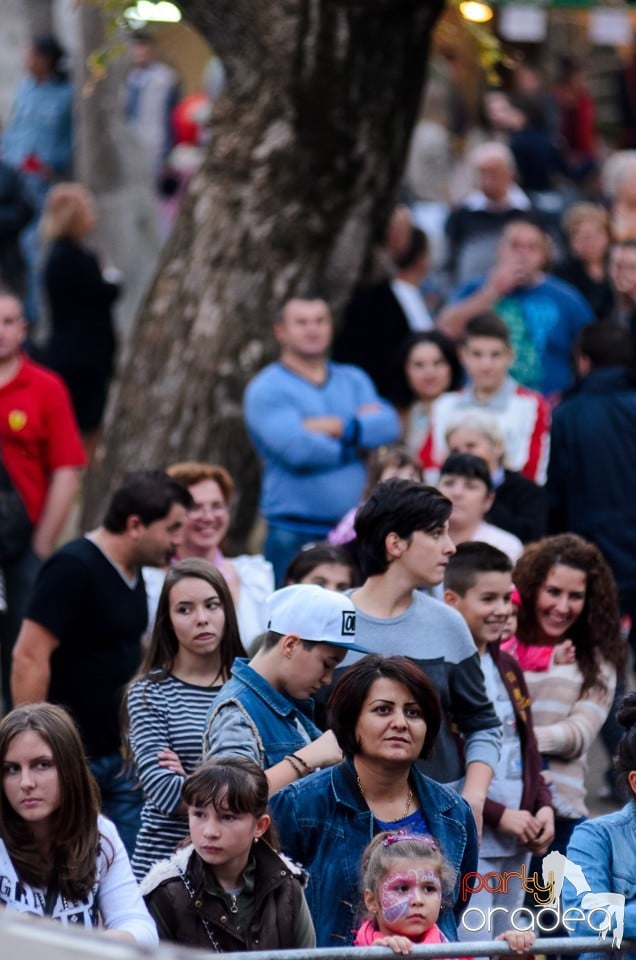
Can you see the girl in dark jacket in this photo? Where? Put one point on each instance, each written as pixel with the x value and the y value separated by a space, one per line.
pixel 228 889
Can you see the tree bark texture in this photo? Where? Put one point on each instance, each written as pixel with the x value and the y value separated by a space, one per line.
pixel 308 148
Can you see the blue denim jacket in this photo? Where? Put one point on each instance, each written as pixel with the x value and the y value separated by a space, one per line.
pixel 325 824
pixel 271 718
pixel 605 849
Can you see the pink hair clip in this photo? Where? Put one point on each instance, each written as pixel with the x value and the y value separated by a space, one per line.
pixel 418 837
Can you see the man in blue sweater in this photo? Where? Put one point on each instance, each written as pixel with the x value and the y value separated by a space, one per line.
pixel 311 421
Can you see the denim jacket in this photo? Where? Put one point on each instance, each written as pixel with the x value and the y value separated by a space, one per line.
pixel 325 824
pixel 605 849
pixel 248 706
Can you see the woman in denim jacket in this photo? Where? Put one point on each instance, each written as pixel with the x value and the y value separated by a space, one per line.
pixel 604 850
pixel 385 714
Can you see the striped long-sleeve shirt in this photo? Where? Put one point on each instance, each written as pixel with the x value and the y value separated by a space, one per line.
pixel 165 714
pixel 565 724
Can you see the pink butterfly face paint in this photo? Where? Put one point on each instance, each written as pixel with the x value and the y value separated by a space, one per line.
pixel 400 890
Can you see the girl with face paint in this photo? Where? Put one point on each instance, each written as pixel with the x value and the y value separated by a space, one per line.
pixel 405 881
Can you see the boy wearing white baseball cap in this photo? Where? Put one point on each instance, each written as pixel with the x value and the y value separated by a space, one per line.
pixel 263 711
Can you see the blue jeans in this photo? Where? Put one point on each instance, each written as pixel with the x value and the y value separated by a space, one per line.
pixel 31 246
pixel 122 796
pixel 283 543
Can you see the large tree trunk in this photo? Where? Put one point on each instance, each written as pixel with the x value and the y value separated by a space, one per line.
pixel 308 148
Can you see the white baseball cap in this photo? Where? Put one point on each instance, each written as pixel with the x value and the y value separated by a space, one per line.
pixel 313 613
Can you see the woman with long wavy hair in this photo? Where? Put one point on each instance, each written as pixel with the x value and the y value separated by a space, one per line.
pixel 58 856
pixel 568 593
pixel 194 642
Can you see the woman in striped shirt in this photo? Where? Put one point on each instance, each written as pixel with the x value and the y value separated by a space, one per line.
pixel 194 642
pixel 568 592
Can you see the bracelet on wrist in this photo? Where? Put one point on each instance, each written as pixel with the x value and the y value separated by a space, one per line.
pixel 307 766
pixel 297 767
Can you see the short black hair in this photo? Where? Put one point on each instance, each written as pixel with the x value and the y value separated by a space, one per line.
pixel 467 465
pixel 351 690
pixel 625 759
pixel 271 638
pixel 48 46
pixel 606 344
pixel 148 494
pixel 471 559
pixel 313 555
pixel 487 324
pixel 418 245
pixel 396 506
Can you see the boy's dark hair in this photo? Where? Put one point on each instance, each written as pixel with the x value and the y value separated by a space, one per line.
pixel 271 638
pixel 487 324
pixel 605 344
pixel 396 506
pixel 467 465
pixel 471 559
pixel 148 494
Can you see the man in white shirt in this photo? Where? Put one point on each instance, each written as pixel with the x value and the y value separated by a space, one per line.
pixel 379 319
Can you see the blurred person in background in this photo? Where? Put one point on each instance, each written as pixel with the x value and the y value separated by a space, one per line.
pixel 38 141
pixel 522 414
pixel 520 505
pixel 431 368
pixel 380 317
pixel 475 227
pixel 587 228
pixel 82 343
pixel 542 313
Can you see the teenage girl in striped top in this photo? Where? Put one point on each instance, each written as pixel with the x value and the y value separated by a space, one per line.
pixel 194 643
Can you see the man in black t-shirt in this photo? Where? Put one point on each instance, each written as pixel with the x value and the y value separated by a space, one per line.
pixel 80 641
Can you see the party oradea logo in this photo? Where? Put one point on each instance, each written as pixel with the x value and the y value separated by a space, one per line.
pixel 601 912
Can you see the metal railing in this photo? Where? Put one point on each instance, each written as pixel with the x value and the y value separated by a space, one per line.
pixel 28 938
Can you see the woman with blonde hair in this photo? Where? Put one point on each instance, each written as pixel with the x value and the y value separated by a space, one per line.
pixel 587 228
pixel 82 345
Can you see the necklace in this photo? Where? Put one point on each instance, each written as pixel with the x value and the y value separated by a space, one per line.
pixel 409 801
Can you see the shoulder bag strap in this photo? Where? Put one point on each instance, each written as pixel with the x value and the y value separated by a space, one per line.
pixel 204 920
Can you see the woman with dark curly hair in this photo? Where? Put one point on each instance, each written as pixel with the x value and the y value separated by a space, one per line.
pixel 568 592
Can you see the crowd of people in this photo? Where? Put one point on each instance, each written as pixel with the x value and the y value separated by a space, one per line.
pixel 336 741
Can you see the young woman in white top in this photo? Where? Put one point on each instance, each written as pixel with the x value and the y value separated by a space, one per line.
pixel 58 856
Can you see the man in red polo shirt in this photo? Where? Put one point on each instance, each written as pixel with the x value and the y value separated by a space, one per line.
pixel 42 451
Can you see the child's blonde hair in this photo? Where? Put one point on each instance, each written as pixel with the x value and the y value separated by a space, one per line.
pixel 386 848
